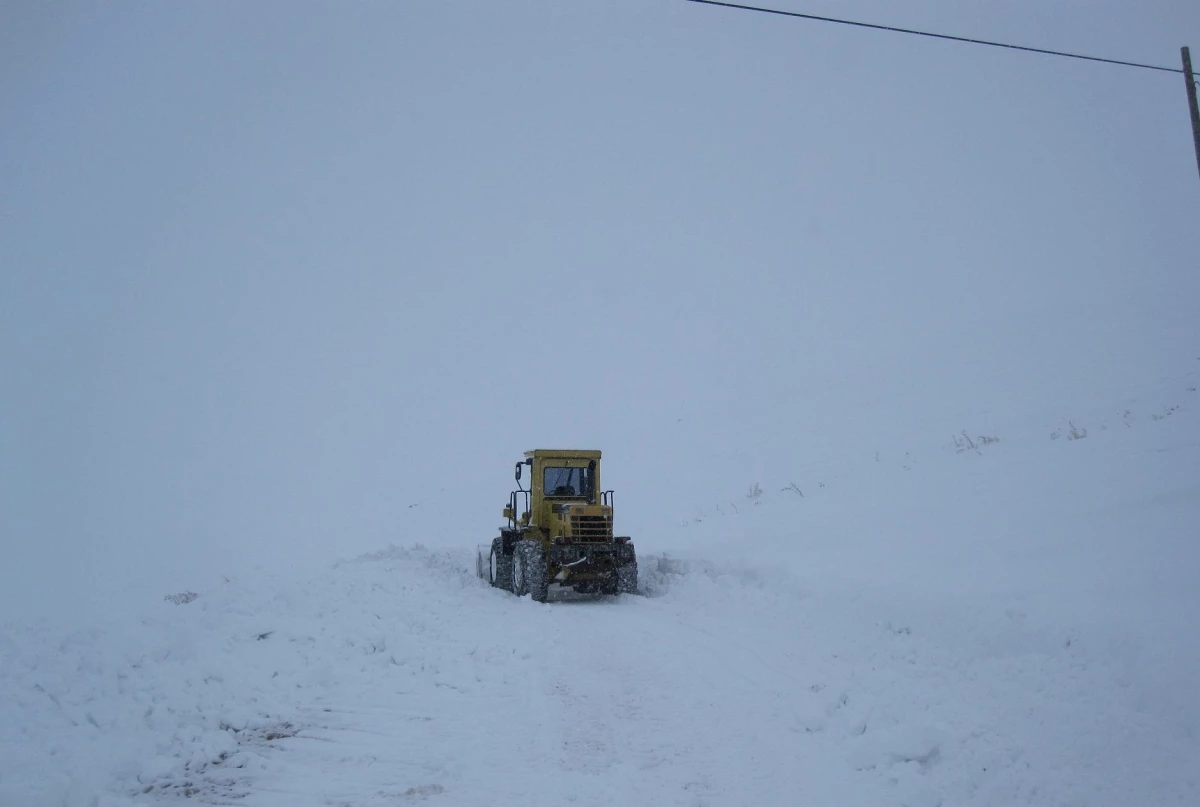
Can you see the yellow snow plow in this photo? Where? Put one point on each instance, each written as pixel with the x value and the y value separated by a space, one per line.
pixel 559 530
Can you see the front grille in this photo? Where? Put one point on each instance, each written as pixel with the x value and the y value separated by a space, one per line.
pixel 591 528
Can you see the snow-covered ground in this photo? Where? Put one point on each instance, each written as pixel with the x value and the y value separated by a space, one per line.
pixel 944 623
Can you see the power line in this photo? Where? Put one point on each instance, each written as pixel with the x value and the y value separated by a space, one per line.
pixel 936 36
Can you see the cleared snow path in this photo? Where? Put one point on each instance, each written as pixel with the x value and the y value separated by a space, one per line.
pixel 399 678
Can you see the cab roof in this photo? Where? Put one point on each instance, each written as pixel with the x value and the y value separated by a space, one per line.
pixel 562 454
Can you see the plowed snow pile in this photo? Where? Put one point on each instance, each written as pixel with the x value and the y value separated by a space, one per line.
pixel 1007 624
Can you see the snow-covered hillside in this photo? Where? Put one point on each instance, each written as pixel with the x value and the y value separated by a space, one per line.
pixel 986 623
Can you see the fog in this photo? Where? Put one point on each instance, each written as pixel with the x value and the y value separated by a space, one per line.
pixel 282 283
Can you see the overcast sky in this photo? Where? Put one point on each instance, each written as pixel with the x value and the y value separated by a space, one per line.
pixel 285 282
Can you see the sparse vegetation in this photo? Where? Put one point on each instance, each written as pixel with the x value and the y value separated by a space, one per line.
pixel 964 442
pixel 1166 413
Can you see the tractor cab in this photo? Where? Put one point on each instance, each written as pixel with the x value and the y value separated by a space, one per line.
pixel 564 502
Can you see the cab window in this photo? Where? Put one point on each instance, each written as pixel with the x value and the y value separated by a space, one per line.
pixel 568 482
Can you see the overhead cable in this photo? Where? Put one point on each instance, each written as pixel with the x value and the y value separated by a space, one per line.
pixel 913 32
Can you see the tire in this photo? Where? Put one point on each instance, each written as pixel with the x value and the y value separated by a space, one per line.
pixel 519 579
pixel 500 566
pixel 529 571
pixel 627 578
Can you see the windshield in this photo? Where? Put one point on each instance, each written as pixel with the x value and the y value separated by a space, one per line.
pixel 568 482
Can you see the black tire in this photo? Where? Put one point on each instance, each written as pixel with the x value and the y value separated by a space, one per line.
pixel 627 578
pixel 519 583
pixel 529 571
pixel 500 566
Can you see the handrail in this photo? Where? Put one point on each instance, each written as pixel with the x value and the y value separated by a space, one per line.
pixel 515 521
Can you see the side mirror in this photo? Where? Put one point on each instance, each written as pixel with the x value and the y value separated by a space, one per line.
pixel 519 471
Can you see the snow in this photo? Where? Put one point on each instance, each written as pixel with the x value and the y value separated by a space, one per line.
pixel 891 349
pixel 1010 624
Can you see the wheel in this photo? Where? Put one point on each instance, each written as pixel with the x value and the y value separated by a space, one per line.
pixel 519 583
pixel 627 578
pixel 500 566
pixel 529 571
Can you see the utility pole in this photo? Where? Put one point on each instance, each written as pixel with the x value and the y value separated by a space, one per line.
pixel 1191 91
